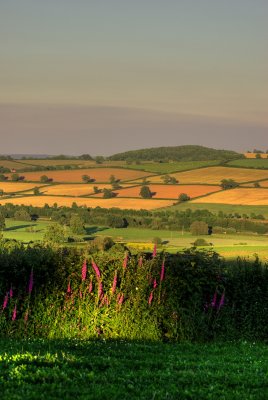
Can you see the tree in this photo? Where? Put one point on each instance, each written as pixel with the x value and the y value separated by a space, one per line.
pixel 1 192
pixel 96 190
pixel 258 155
pixel 112 179
pixel 145 192
pixel 55 234
pixel 2 222
pixel 99 159
pixel 44 179
pixel 108 193
pixel 3 178
pixel 22 215
pixel 229 183
pixel 15 177
pixel 115 221
pixel 199 228
pixel 77 225
pixel 257 185
pixel 184 197
pixel 36 191
pixel 85 157
pixel 86 178
pixel 116 186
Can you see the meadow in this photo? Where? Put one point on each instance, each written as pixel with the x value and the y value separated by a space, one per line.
pixel 261 163
pixel 68 369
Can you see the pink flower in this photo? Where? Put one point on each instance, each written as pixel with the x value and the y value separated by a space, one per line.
pixel 150 298
pixel 155 284
pixel 125 261
pixel 14 315
pixel 162 274
pixel 155 251
pixel 69 290
pixel 96 269
pixel 30 286
pixel 5 301
pixel 84 271
pixel 11 292
pixel 114 282
pixel 214 300
pixel 120 299
pixel 100 291
pixel 221 301
pixel 90 287
pixel 140 261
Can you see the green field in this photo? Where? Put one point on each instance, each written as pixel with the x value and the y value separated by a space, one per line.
pixel 250 163
pixel 25 231
pixel 225 208
pixel 43 369
pixel 167 168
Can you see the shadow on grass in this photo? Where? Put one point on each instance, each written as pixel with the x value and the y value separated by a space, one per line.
pixel 15 227
pixel 91 230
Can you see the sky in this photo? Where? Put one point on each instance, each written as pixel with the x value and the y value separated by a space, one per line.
pixel 106 76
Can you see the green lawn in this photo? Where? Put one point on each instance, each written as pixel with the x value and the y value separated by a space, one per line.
pixel 226 208
pixel 43 369
pixel 25 231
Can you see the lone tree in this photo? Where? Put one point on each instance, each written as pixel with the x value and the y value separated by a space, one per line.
pixel 15 177
pixel 229 183
pixel 108 193
pixel 44 179
pixel 184 197
pixel 145 192
pixel 86 178
pixel 55 234
pixel 77 225
pixel 22 215
pixel 199 228
pixel 36 191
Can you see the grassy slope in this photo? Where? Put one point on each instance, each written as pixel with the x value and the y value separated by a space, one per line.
pixel 45 369
pixel 250 163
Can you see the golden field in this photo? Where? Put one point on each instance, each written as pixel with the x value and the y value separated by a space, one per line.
pixel 135 204
pixel 253 155
pixel 73 189
pixel 239 196
pixel 263 184
pixel 169 191
pixel 12 187
pixel 98 174
pixel 214 175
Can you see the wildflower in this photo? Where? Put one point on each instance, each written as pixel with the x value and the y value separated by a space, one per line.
pixel 96 269
pixel 221 303
pixel 155 284
pixel 30 286
pixel 162 274
pixel 11 292
pixel 150 298
pixel 120 299
pixel 214 300
pixel 84 271
pixel 114 283
pixel 69 290
pixel 100 291
pixel 14 315
pixel 5 301
pixel 90 287
pixel 154 251
pixel 125 261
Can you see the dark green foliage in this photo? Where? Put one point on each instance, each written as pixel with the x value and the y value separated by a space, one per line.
pixel 177 153
pixel 108 193
pixel 77 225
pixel 201 242
pixel 229 184
pixel 36 191
pixel 2 178
pixel 44 179
pixel 22 215
pixel 15 177
pixel 184 197
pixel 145 192
pixel 2 221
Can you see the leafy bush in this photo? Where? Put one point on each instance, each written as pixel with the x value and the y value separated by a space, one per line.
pixel 201 242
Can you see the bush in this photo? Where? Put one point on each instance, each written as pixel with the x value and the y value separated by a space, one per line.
pixel 201 242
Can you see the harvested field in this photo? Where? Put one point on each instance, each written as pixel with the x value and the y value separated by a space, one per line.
pixel 253 155
pixel 241 196
pixel 11 164
pixel 74 189
pixel 135 204
pixel 214 175
pixel 169 191
pixel 263 184
pixel 10 187
pixel 98 174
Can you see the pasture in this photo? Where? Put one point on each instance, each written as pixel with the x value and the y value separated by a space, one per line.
pixel 68 369
pixel 243 196
pixel 101 175
pixel 214 175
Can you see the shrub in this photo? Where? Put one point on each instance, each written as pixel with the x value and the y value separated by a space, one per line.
pixel 201 242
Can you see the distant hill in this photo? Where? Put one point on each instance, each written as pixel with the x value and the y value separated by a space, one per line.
pixel 177 153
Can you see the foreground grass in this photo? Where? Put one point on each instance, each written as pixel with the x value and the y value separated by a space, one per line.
pixel 44 369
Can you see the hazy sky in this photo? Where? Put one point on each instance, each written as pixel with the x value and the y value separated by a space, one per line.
pixel 109 75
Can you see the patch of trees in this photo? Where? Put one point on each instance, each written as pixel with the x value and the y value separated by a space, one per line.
pixel 229 184
pixel 178 153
